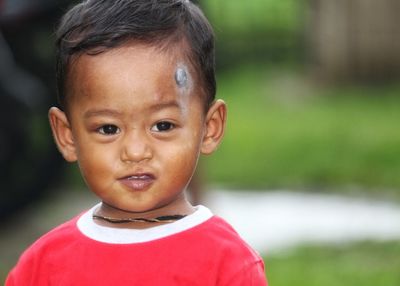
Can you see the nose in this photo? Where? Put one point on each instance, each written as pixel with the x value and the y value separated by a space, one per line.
pixel 136 147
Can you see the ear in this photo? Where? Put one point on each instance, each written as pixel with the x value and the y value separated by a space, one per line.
pixel 62 134
pixel 215 127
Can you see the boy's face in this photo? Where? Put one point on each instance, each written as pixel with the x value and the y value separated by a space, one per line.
pixel 136 125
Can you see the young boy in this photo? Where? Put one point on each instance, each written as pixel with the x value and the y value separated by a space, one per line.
pixel 136 90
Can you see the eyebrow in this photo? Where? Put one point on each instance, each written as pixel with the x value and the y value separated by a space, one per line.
pixel 165 105
pixel 101 112
pixel 114 113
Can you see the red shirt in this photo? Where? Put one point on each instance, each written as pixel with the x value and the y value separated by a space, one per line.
pixel 200 249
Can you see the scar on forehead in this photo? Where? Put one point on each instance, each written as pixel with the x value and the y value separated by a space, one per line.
pixel 181 77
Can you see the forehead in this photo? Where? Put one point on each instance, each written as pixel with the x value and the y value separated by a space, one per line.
pixel 139 62
pixel 128 70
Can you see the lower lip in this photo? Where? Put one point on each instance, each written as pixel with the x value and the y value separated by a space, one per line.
pixel 137 184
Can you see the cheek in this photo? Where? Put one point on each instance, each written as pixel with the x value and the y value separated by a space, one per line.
pixel 95 162
pixel 186 156
pixel 181 154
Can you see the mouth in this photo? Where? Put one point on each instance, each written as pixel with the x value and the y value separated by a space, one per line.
pixel 138 182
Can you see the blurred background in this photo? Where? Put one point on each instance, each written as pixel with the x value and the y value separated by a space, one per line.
pixel 313 92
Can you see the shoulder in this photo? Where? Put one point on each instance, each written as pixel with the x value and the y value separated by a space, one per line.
pixel 239 264
pixel 224 236
pixel 36 257
pixel 56 236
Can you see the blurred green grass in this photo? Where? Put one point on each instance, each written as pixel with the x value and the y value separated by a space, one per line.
pixel 243 17
pixel 286 131
pixel 366 263
pixel 258 30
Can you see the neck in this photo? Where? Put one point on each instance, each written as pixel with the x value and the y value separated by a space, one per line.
pixel 110 216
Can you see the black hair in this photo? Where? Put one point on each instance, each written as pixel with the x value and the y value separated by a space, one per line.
pixel 95 26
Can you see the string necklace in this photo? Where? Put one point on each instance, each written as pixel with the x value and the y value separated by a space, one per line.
pixel 160 219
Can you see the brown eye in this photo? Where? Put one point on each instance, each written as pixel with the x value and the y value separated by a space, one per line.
pixel 163 126
pixel 108 129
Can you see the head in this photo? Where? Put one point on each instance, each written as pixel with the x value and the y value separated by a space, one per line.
pixel 136 87
pixel 174 26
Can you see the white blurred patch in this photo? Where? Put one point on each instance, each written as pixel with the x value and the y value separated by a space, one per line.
pixel 271 221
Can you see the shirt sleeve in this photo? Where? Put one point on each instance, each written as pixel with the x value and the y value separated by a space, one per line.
pixel 22 273
pixel 9 281
pixel 14 279
pixel 251 275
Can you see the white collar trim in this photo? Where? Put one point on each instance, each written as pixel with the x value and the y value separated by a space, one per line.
pixel 89 228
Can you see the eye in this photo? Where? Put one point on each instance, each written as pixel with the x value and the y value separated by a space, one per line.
pixel 108 129
pixel 162 126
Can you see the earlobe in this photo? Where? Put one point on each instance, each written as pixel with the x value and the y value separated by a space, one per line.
pixel 62 134
pixel 215 127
